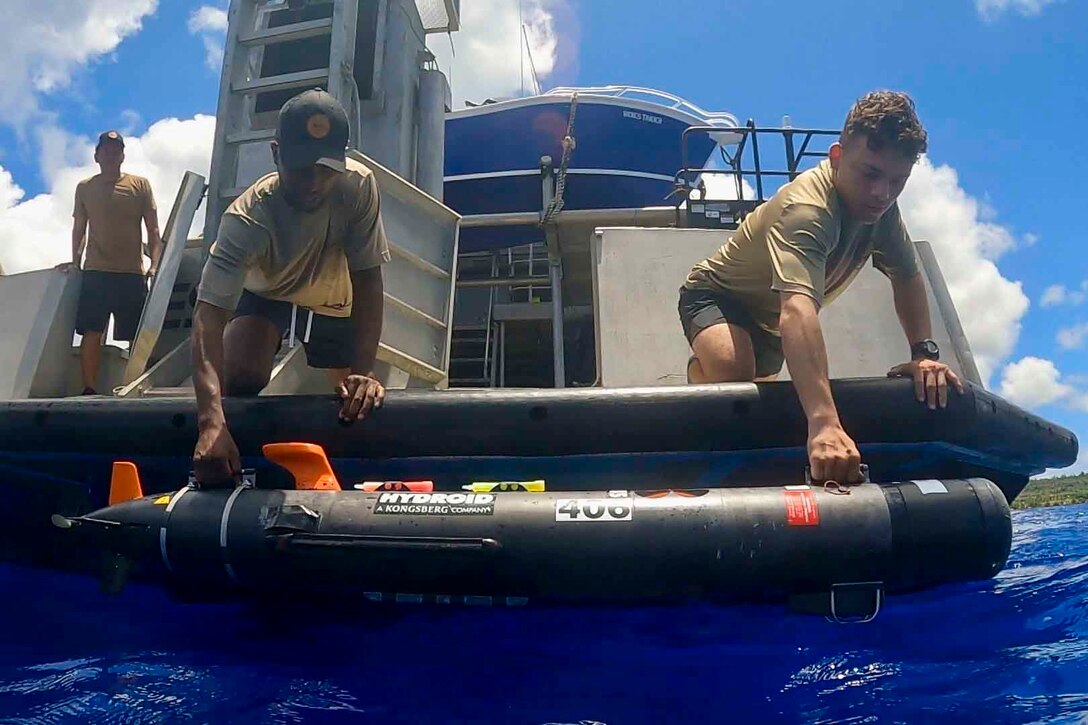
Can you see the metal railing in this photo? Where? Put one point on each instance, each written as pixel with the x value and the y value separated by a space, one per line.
pixel 530 256
pixel 796 144
pixel 489 324
pixel 721 119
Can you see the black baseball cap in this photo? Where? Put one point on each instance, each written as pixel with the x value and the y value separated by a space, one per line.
pixel 312 129
pixel 110 136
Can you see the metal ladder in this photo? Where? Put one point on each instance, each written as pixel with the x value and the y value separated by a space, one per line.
pixel 472 346
pixel 269 43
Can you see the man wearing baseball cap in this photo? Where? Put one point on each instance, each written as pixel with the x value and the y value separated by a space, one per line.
pixel 308 234
pixel 110 205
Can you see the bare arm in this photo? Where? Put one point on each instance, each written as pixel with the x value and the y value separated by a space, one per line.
pixel 912 306
pixel 215 459
pixel 361 391
pixel 209 322
pixel 154 240
pixel 366 250
pixel 806 355
pixel 79 236
pixel 366 318
pixel 832 454
pixel 931 378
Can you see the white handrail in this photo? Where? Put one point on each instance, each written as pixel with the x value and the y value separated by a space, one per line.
pixel 712 118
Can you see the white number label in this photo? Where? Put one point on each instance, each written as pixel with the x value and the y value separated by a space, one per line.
pixel 593 509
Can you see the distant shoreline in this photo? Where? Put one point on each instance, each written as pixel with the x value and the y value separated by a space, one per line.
pixel 1060 491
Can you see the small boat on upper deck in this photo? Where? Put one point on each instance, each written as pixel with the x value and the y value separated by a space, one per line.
pixel 627 150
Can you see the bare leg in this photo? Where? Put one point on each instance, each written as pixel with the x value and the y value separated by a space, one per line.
pixel 249 347
pixel 723 354
pixel 90 355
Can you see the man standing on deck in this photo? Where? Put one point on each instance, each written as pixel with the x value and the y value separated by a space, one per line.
pixel 111 204
pixel 754 303
pixel 308 234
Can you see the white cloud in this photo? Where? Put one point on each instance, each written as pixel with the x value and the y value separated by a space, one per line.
pixel 210 23
pixel 990 306
pixel 488 59
pixel 131 120
pixel 993 9
pixel 208 19
pixel 45 43
pixel 1053 295
pixel 1072 338
pixel 724 187
pixel 1030 240
pixel 36 232
pixel 1057 294
pixel 1032 382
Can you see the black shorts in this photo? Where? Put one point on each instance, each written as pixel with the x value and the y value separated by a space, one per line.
pixel 101 294
pixel 331 341
pixel 700 309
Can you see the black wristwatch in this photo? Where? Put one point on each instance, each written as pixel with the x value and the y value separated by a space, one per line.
pixel 925 350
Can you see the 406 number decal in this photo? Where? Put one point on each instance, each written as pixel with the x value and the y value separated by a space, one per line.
pixel 593 509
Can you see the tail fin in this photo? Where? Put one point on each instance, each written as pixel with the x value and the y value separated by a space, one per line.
pixel 125 483
pixel 306 462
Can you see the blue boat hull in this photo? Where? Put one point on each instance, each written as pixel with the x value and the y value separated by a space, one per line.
pixel 625 157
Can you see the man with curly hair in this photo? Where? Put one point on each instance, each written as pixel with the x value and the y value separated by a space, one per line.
pixel 755 302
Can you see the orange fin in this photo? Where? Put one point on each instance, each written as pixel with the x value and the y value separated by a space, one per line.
pixel 124 483
pixel 306 462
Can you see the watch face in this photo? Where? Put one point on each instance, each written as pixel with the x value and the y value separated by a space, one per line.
pixel 928 349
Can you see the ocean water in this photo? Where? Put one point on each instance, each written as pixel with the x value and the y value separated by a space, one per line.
pixel 1011 650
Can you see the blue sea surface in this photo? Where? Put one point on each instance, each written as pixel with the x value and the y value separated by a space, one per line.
pixel 1011 650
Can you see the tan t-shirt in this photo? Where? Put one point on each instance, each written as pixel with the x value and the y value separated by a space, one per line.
pixel 278 252
pixel 802 240
pixel 114 211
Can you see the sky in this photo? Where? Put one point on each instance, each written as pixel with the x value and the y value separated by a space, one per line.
pixel 999 85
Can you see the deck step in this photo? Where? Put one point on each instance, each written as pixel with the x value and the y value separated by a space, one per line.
pixel 470 382
pixel 288 33
pixel 282 82
pixel 467 347
pixel 170 392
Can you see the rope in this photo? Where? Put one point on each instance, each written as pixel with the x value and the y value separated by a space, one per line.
pixel 835 487
pixel 561 177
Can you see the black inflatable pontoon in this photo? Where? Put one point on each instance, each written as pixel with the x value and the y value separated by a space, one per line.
pixel 692 436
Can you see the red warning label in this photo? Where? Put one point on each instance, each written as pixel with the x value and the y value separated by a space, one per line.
pixel 801 508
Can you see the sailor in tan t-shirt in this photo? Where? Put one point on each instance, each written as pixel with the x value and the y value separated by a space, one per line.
pixel 309 234
pixel 109 208
pixel 754 303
